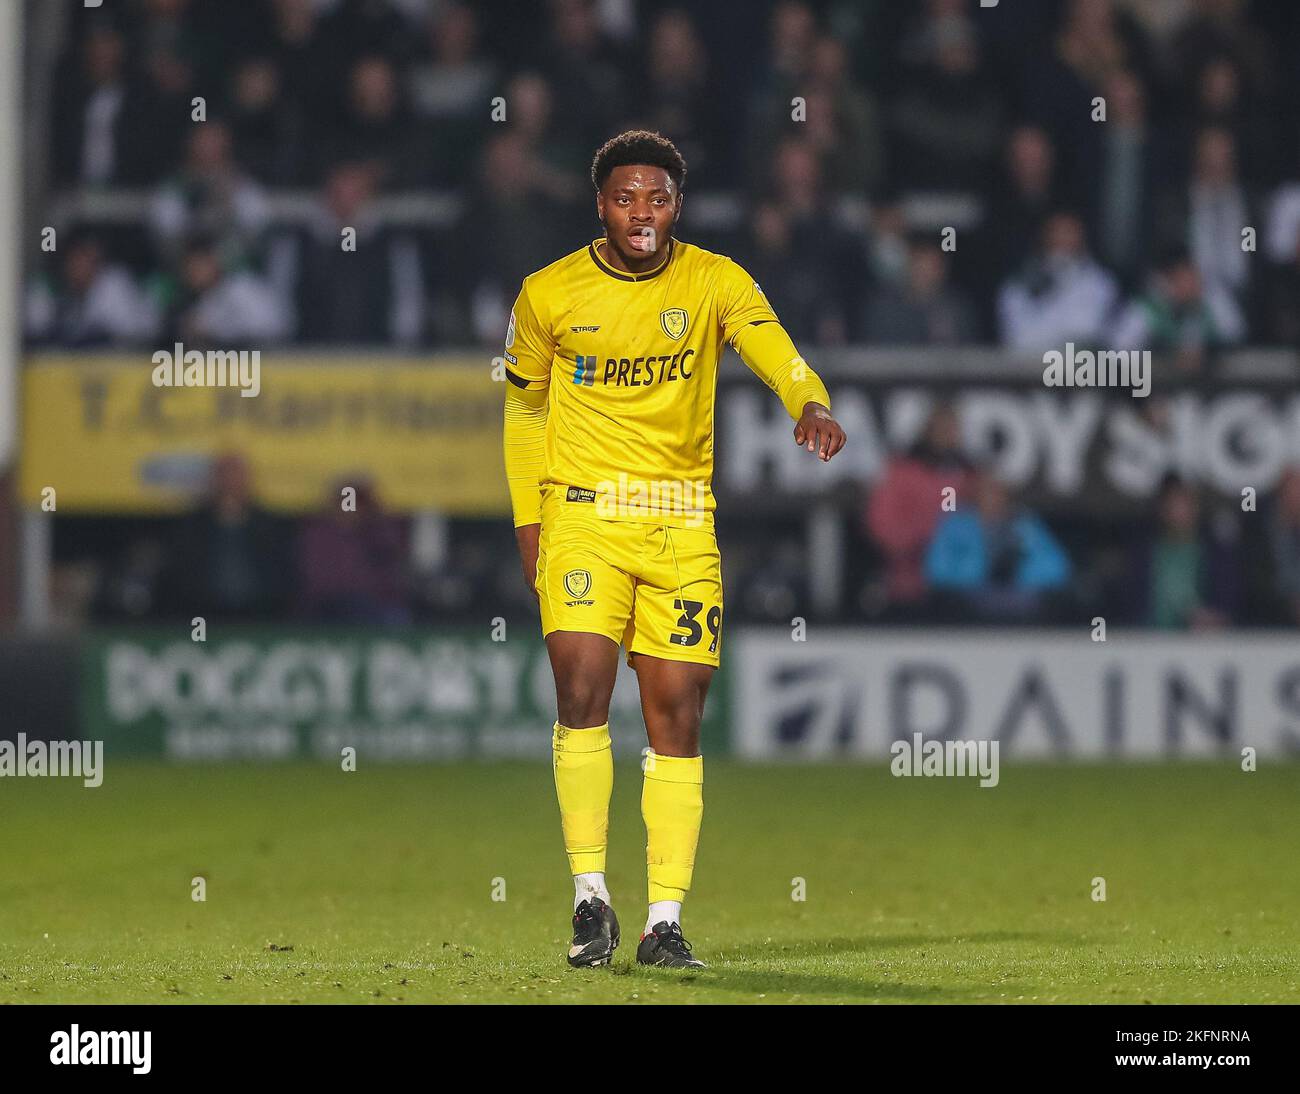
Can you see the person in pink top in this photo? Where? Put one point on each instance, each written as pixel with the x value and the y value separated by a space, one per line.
pixel 906 504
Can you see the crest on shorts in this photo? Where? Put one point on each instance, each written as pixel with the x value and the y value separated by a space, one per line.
pixel 673 321
pixel 577 583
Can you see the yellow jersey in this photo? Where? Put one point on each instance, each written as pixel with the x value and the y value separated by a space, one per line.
pixel 630 362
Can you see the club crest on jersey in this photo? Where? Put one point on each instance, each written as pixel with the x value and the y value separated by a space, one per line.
pixel 577 583
pixel 673 321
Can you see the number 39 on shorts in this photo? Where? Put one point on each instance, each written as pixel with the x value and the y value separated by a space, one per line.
pixel 689 620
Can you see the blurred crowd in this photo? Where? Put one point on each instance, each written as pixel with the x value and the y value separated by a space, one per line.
pixel 1117 173
pixel 939 540
pixel 1196 562
pixel 829 145
pixel 233 560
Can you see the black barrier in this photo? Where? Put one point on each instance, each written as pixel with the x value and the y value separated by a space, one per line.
pixel 40 680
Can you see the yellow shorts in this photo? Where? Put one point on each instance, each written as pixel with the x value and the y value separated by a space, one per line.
pixel 654 588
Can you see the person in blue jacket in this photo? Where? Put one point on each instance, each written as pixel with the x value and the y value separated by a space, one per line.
pixel 994 560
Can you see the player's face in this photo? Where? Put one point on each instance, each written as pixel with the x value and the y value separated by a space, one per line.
pixel 639 206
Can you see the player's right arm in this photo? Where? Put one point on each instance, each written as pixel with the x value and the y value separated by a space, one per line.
pixel 750 325
pixel 530 347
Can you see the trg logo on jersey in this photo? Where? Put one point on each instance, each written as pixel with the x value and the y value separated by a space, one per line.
pixel 673 321
pixel 577 583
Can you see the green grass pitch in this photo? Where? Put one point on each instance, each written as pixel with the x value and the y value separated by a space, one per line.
pixel 377 886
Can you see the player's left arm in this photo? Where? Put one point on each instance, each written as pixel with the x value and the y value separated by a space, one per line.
pixel 529 352
pixel 751 326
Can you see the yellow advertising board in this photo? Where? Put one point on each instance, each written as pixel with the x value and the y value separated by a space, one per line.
pixel 108 439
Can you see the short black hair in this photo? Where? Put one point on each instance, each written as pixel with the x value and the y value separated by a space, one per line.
pixel 638 146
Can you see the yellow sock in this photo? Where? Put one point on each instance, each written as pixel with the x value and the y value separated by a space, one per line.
pixel 672 803
pixel 584 780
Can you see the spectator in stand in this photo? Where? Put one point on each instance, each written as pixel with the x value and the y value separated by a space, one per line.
pixel 562 168
pixel 292 41
pixel 1016 208
pixel 1210 213
pixel 371 291
pixel 448 91
pixel 785 70
pixel 353 563
pixel 231 560
pixel 788 65
pixel 129 578
pixel 815 249
pixel 1186 574
pixel 1220 28
pixel 681 98
pixel 996 562
pixel 516 199
pixel 887 252
pixel 1095 42
pixel 1179 315
pixel 266 127
pixel 1121 179
pixel 906 504
pixel 1282 239
pixel 947 120
pixel 1061 294
pixel 1283 562
pixel 374 124
pixel 1281 246
pixel 841 120
pixel 88 302
pixel 587 73
pixel 89 138
pixel 1159 21
pixel 1223 103
pixel 211 195
pixel 208 306
pixel 798 281
pixel 928 311
pixel 844 123
pixel 778 581
pixel 159 112
pixel 353 29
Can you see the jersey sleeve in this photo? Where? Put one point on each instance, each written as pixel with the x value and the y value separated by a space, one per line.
pixel 740 301
pixel 524 439
pixel 530 345
pixel 751 327
pixel 529 350
pixel 771 355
